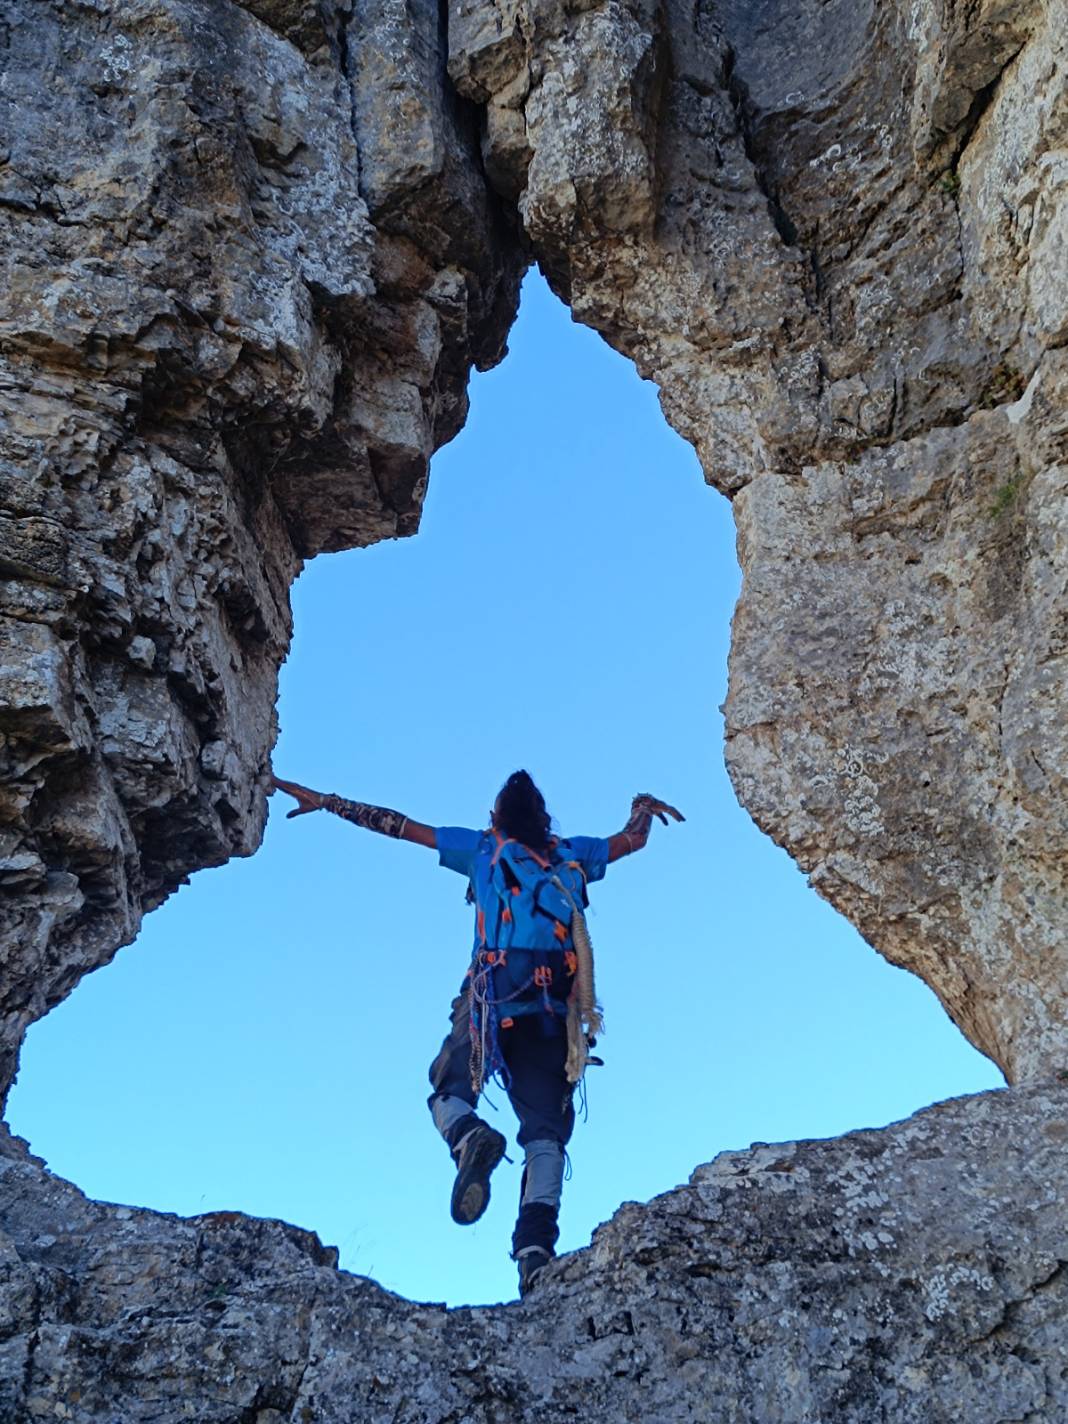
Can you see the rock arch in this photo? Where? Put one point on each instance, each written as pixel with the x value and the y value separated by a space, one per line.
pixel 252 252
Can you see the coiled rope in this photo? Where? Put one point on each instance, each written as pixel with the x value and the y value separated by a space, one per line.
pixel 585 1016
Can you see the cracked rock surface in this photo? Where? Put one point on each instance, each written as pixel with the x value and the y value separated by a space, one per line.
pixel 245 280
pixel 916 1275
pixel 835 233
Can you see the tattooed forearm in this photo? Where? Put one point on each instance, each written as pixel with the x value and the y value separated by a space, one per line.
pixel 371 818
pixel 636 830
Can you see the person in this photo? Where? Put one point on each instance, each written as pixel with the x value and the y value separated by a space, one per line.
pixel 526 1012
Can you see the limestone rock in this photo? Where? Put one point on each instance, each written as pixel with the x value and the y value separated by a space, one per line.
pixel 851 289
pixel 251 253
pixel 917 1274
pixel 233 332
pixel 244 294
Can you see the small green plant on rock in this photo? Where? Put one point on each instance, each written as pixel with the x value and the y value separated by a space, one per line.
pixel 1006 383
pixel 1005 497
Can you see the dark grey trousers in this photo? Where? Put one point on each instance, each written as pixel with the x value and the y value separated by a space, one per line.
pixel 535 1053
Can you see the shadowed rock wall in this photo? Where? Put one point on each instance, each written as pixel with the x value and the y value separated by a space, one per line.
pixel 246 275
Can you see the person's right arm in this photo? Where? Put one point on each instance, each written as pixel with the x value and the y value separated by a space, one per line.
pixel 360 813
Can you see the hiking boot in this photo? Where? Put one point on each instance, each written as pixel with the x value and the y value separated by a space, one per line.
pixel 535 1226
pixel 476 1155
pixel 533 1240
pixel 532 1260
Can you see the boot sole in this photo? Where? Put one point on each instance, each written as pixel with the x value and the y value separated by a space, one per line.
pixel 471 1193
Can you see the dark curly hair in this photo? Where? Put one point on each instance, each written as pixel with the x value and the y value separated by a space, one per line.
pixel 520 812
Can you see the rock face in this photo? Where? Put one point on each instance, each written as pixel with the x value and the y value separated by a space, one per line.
pixel 916 1274
pixel 245 278
pixel 835 234
pixel 251 254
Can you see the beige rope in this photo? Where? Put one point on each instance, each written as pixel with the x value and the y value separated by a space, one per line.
pixel 585 1017
pixel 477 1060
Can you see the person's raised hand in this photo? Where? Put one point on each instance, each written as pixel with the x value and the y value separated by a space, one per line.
pixel 306 800
pixel 644 802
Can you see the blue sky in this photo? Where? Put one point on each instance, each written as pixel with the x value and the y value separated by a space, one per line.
pixel 565 607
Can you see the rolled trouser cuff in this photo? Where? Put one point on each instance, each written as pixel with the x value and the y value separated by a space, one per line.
pixel 448 1113
pixel 543 1175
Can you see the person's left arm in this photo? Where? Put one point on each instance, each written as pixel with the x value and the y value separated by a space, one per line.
pixel 635 833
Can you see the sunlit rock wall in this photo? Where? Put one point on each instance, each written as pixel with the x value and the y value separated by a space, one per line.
pixel 915 1275
pixel 246 271
pixel 836 235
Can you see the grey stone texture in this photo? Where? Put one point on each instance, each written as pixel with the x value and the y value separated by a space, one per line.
pixel 251 254
pixel 918 1275
pixel 245 278
pixel 835 233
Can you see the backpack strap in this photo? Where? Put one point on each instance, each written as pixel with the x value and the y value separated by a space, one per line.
pixel 535 874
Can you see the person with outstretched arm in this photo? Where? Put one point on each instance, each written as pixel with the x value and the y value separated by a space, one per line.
pixel 527 1010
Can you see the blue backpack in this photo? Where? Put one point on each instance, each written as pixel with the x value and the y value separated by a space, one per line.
pixel 525 899
pixel 524 960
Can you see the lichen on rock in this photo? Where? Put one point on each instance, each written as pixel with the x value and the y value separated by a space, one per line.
pixel 916 1274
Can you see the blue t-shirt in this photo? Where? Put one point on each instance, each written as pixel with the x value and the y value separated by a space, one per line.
pixel 458 846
